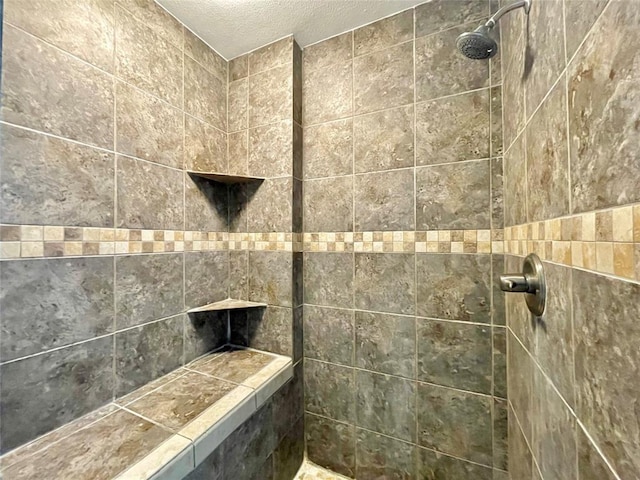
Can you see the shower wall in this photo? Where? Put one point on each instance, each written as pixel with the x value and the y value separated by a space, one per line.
pixel 96 120
pixel 106 240
pixel 572 172
pixel 404 339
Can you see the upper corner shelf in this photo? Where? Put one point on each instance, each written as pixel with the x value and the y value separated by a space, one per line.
pixel 228 304
pixel 225 178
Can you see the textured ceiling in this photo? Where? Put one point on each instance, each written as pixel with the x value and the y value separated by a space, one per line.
pixel 235 27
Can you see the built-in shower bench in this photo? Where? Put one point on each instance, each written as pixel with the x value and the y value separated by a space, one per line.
pixel 160 431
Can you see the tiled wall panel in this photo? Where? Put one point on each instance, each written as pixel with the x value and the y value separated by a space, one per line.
pixel 571 177
pixel 405 345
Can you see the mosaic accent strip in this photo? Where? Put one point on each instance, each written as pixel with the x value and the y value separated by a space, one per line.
pixel 607 241
pixel 436 241
pixel 35 241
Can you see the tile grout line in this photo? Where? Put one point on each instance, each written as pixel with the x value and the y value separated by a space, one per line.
pixel 416 399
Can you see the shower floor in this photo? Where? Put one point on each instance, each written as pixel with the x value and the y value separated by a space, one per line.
pixel 309 471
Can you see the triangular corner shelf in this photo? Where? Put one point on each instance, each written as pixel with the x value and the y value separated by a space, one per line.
pixel 227 304
pixel 225 178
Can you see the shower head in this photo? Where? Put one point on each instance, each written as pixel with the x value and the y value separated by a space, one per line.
pixel 477 45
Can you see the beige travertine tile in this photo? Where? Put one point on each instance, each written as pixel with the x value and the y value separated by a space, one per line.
pixel 577 254
pixel 604 257
pixel 32 249
pixel 623 260
pixel 9 249
pixel 31 233
pixel 623 224
pixel 53 234
pixel 636 223
pixel 589 227
pixel 589 255
pixel 604 226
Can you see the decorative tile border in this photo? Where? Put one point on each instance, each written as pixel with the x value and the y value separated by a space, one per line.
pixel 33 241
pixel 606 241
pixel 36 241
pixel 433 241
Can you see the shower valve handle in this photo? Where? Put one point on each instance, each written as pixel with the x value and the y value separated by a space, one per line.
pixel 514 283
pixel 531 282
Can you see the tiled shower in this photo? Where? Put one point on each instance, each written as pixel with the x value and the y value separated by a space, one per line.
pixel 386 184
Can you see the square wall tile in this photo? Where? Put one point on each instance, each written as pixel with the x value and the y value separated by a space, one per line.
pixel 205 147
pixel 149 196
pixel 455 355
pixel 148 352
pixel 375 412
pixel 327 92
pixel 205 94
pixel 328 204
pixel 454 286
pixel 271 96
pixel 148 287
pixel 385 343
pixel 329 334
pixel 385 282
pixel 384 201
pixel 384 140
pixel 271 150
pixel 329 390
pixel 453 128
pixel 443 410
pixel 441 71
pixel 547 158
pixel 147 60
pixel 46 391
pixel 75 182
pixel 379 456
pixel 331 444
pixel 383 79
pixel 147 127
pixel 433 17
pixel 455 196
pixel 84 30
pixel 328 279
pixel 328 149
pixel 76 103
pixel 597 182
pixel 270 278
pixel 49 303
pixel 384 33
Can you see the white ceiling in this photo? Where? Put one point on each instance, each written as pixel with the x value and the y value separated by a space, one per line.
pixel 235 27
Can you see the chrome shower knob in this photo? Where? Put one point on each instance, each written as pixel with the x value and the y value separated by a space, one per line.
pixel 532 283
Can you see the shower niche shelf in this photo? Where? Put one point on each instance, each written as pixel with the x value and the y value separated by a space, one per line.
pixel 225 177
pixel 228 304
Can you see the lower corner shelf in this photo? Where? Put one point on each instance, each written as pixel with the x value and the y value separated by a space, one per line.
pixel 227 304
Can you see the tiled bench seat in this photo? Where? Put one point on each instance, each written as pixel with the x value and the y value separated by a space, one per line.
pixel 160 431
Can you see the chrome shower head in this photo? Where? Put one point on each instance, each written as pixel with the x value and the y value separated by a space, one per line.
pixel 477 45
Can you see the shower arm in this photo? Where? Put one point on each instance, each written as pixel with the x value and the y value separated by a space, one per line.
pixel 506 9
